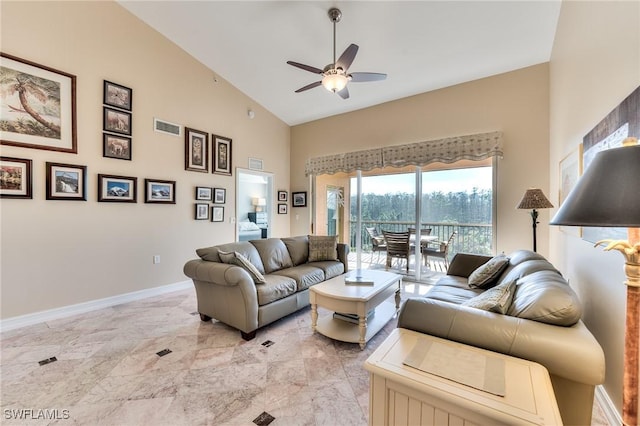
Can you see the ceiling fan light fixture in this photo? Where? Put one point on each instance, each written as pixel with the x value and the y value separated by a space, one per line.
pixel 334 82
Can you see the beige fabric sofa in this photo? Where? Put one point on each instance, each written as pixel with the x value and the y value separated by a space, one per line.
pixel 542 324
pixel 231 295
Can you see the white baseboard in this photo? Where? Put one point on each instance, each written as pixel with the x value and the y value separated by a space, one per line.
pixel 610 412
pixel 93 305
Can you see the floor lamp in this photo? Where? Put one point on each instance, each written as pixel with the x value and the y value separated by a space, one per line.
pixel 608 195
pixel 534 199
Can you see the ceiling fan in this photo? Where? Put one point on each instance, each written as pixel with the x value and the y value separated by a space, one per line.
pixel 335 76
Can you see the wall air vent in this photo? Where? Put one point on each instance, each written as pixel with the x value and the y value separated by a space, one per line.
pixel 162 126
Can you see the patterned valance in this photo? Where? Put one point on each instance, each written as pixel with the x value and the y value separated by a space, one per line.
pixel 447 150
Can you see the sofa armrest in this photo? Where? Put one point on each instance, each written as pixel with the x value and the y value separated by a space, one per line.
pixel 568 352
pixel 343 254
pixel 463 264
pixel 215 272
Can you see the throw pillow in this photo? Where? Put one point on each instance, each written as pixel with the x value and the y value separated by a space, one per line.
pixel 323 248
pixel 235 258
pixel 486 274
pixel 497 299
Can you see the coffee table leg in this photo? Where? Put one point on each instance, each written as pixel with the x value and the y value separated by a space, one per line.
pixel 362 325
pixel 314 316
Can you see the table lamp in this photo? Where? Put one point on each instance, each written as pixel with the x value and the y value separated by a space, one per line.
pixel 608 195
pixel 259 203
pixel 534 199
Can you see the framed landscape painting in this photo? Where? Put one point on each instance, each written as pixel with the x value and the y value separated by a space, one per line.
pixel 204 193
pixel 45 117
pixel 159 191
pixel 66 182
pixel 120 189
pixel 15 178
pixel 299 199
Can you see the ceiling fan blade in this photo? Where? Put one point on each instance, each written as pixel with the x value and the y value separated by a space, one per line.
pixel 347 57
pixel 344 93
pixel 361 77
pixel 309 86
pixel 306 67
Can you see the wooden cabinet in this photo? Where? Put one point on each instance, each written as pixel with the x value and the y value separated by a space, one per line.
pixel 404 395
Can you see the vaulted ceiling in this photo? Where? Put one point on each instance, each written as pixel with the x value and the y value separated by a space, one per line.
pixel 420 45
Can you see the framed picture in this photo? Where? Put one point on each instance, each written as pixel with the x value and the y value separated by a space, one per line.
pixel 202 211
pixel 221 155
pixel 217 214
pixel 219 195
pixel 114 146
pixel 570 171
pixel 283 196
pixel 196 156
pixel 119 189
pixel 116 121
pixel 282 209
pixel 66 182
pixel 15 178
pixel 117 96
pixel 299 199
pixel 46 117
pixel 160 191
pixel 204 193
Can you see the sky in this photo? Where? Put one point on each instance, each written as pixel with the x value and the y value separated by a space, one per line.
pixel 460 180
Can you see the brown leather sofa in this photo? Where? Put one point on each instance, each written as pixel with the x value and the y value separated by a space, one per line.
pixel 247 300
pixel 541 324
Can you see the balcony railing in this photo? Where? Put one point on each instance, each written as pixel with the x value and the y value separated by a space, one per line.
pixel 470 238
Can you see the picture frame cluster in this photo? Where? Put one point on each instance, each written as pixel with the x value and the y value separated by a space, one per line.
pixel 117 121
pixel 216 196
pixel 196 152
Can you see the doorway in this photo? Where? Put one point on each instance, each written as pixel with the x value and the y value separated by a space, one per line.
pixel 254 198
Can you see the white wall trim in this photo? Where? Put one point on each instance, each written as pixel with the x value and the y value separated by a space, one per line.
pixel 93 305
pixel 610 412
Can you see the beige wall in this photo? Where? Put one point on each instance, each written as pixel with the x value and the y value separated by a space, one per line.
pixel 58 253
pixel 515 103
pixel 595 65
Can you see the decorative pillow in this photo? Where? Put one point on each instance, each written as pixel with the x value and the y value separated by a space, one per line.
pixel 235 258
pixel 485 275
pixel 496 299
pixel 323 248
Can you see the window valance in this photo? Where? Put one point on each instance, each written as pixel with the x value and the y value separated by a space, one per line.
pixel 447 150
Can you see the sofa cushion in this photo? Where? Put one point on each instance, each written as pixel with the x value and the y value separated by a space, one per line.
pixel 331 268
pixel 243 247
pixel 276 287
pixel 235 258
pixel 298 248
pixel 486 275
pixel 273 253
pixel 522 269
pixel 497 299
pixel 452 289
pixel 304 275
pixel 545 296
pixel 323 247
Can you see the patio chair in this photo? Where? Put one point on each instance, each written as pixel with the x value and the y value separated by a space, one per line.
pixel 397 246
pixel 378 243
pixel 440 251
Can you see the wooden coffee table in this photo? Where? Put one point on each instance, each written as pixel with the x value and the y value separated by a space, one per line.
pixel 358 299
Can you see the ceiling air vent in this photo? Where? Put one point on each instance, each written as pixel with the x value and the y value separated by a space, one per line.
pixel 163 126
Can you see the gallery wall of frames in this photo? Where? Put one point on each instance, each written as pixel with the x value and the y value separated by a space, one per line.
pixel 45 118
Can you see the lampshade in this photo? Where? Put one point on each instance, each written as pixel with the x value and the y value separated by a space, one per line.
pixel 258 201
pixel 607 194
pixel 334 82
pixel 534 199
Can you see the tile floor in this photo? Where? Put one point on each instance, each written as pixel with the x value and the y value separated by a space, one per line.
pixel 107 370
